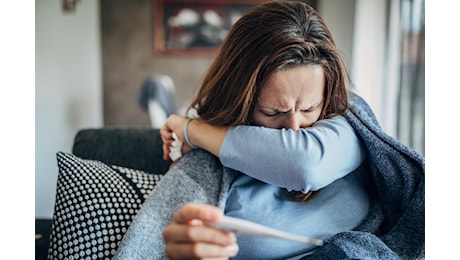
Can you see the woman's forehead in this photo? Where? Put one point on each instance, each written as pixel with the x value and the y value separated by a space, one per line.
pixel 305 83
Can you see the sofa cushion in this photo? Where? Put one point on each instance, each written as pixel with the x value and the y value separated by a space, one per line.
pixel 131 147
pixel 95 204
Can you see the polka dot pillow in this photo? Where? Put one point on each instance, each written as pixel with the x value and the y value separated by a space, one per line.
pixel 95 204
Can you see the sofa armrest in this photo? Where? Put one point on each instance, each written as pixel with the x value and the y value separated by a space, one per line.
pixel 132 147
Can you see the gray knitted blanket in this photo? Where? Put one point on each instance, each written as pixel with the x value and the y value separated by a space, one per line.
pixel 394 228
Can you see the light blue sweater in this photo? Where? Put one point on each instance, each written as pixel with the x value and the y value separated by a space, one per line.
pixel 314 158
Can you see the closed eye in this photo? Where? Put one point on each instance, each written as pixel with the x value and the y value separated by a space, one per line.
pixel 272 114
pixel 275 113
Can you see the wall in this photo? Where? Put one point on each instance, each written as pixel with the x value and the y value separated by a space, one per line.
pixel 67 85
pixel 128 59
pixel 340 18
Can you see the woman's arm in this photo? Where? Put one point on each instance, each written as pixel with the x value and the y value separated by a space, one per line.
pixel 303 160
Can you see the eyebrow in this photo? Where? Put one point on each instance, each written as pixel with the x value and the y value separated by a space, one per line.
pixel 315 105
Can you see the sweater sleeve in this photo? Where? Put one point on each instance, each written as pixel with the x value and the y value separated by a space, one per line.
pixel 302 160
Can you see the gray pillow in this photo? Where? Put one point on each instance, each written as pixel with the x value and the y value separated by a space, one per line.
pixel 95 204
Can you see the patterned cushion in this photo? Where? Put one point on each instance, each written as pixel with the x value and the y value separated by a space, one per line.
pixel 95 204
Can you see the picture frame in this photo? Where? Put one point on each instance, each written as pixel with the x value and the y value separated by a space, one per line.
pixel 194 27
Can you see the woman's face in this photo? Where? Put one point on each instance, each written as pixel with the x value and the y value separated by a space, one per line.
pixel 291 98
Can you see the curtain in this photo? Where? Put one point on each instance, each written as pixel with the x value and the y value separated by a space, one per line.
pixel 411 96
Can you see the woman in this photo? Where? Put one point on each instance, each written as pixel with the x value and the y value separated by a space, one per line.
pixel 298 86
pixel 275 47
pixel 254 197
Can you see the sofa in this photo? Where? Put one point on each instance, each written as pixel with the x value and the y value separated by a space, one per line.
pixel 101 185
pixel 110 172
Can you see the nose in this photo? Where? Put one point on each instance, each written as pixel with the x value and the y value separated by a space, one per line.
pixel 293 121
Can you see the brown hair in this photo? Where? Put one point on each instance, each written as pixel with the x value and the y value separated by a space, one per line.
pixel 271 36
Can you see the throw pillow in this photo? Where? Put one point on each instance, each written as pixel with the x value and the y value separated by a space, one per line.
pixel 95 204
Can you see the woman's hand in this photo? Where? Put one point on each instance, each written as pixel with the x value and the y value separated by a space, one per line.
pixel 175 124
pixel 188 237
pixel 201 134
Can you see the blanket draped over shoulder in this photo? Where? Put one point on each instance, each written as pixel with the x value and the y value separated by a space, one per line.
pixel 393 229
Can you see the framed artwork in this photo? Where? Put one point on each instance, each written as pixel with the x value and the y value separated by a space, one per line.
pixel 194 27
